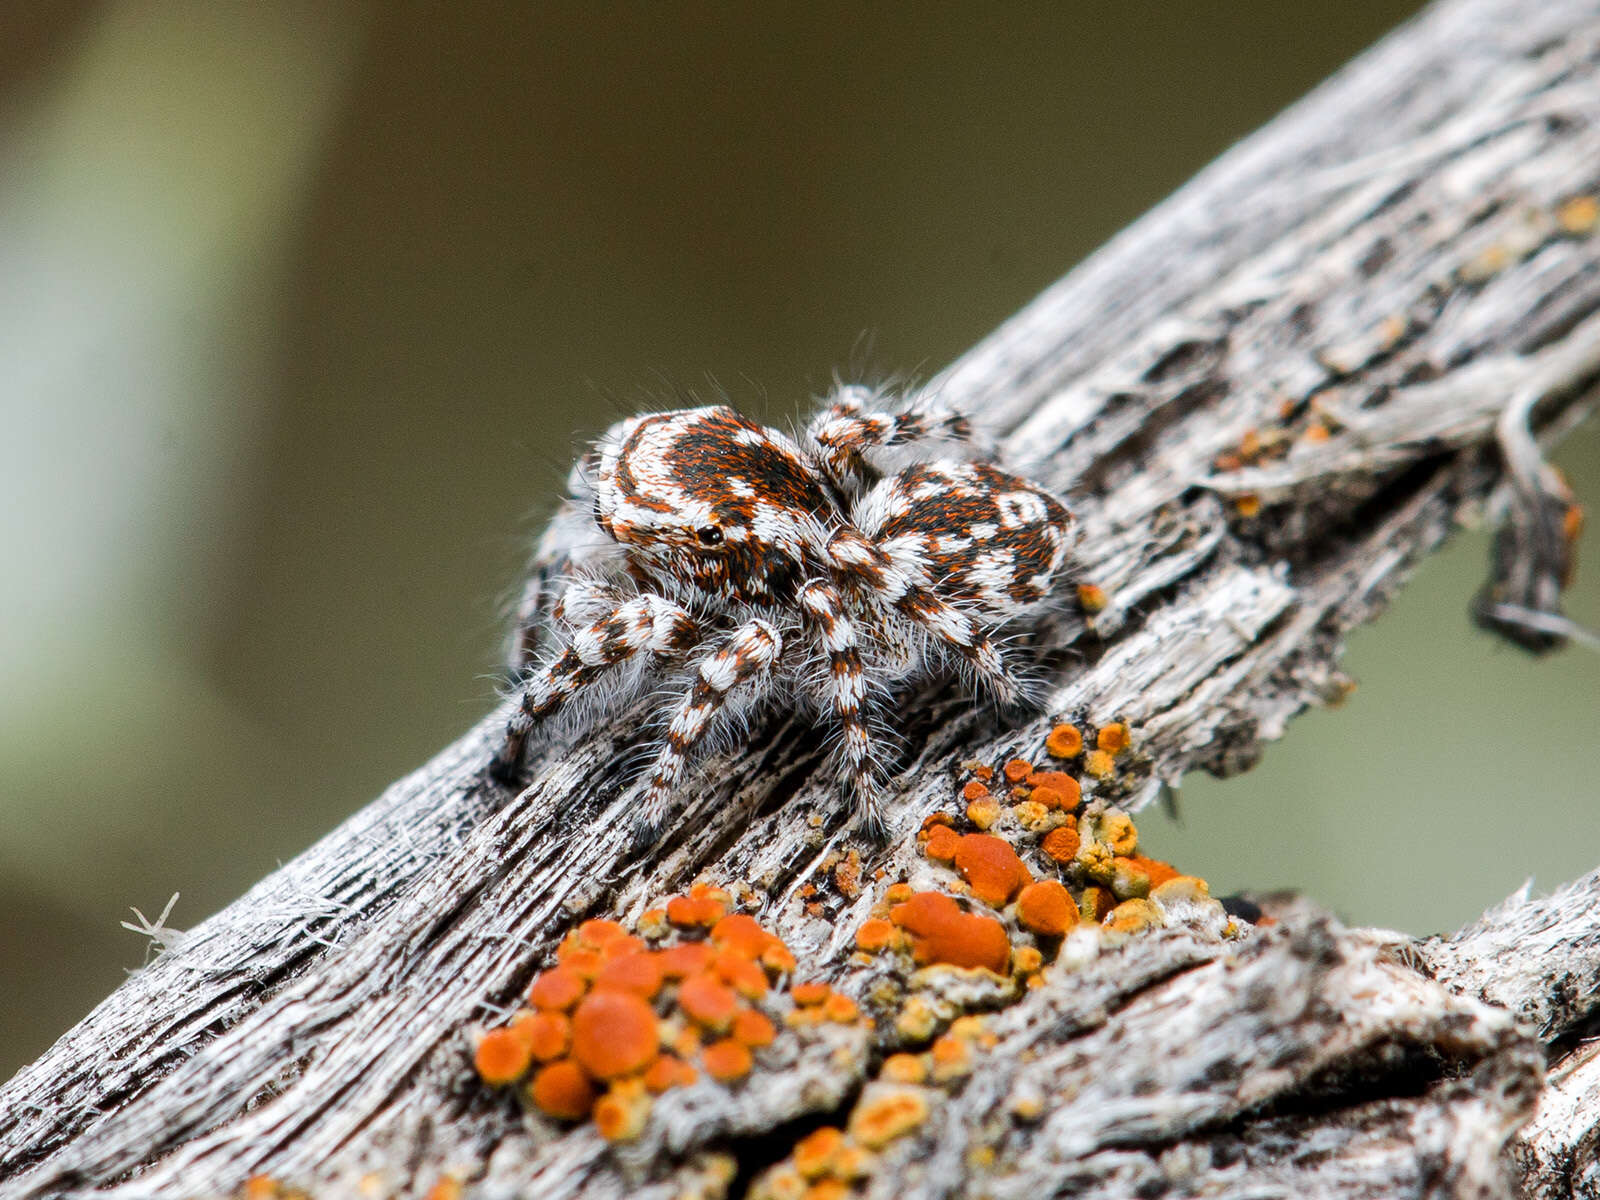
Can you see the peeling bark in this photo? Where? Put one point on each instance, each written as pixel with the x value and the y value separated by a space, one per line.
pixel 1268 399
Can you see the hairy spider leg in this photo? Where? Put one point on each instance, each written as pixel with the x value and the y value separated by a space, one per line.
pixel 862 562
pixel 845 430
pixel 823 609
pixel 747 654
pixel 644 624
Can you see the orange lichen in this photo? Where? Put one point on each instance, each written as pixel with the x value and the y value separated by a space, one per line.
pixel 708 1002
pixel 1096 903
pixel 742 974
pixel 638 972
pixel 942 933
pixel 563 1091
pixel 1055 790
pixel 1135 916
pixel 727 1060
pixel 1579 215
pixel 575 958
pixel 951 1057
pixel 874 935
pixel 596 933
pixel 689 958
pixel 741 933
pixel 1116 829
pixel 807 994
pixel 502 1057
pixel 974 790
pixel 991 868
pixel 1112 738
pixel 614 1034
pixel 840 1009
pixel 1098 763
pixel 1065 741
pixel 753 1029
pixel 557 989
pixel 1247 504
pixel 887 1113
pixel 983 812
pixel 620 1115
pixel 1317 433
pixel 663 1074
pixel 898 893
pixel 1154 870
pixel 690 911
pixel 942 844
pixel 547 1034
pixel 777 958
pixel 1062 843
pixel 1046 908
pixel 1016 770
pixel 827 1189
pixel 814 1153
pixel 904 1068
pixel 620 947
pixel 1091 597
pixel 847 875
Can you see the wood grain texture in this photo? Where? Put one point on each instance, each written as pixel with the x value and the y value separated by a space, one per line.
pixel 1394 261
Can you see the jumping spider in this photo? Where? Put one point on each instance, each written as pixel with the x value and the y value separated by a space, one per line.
pixel 748 570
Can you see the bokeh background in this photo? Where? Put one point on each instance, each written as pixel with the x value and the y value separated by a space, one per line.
pixel 304 305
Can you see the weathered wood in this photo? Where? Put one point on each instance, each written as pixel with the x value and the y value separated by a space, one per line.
pixel 1393 262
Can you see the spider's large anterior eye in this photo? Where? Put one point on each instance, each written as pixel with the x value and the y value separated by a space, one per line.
pixel 709 535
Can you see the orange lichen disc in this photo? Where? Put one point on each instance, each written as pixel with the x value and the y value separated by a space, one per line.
pixel 874 935
pixel 753 1029
pixel 708 1001
pixel 1016 770
pixel 1055 789
pixel 663 1074
pixel 597 932
pixel 638 972
pixel 742 933
pixel 1046 908
pixel 727 1060
pixel 614 1033
pixel 1065 741
pixel 691 958
pixel 991 868
pixel 1091 597
pixel 890 1113
pixel 942 933
pixel 742 974
pixel 1112 738
pixel 1062 843
pixel 502 1057
pixel 557 989
pixel 620 1115
pixel 563 1091
pixel 814 1153
pixel 840 1009
pixel 807 994
pixel 547 1034
pixel 974 790
pixel 941 844
pixel 690 911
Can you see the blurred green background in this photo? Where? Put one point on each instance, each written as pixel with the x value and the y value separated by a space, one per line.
pixel 304 305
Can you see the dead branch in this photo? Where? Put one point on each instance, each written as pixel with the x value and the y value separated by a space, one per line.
pixel 1269 398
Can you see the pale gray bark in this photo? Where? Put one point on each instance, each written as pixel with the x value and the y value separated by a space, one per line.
pixel 1393 248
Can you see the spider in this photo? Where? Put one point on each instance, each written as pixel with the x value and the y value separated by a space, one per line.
pixel 748 570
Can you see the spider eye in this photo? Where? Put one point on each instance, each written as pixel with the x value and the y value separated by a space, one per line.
pixel 709 535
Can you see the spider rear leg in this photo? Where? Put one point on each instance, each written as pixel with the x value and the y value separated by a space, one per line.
pixel 643 624
pixel 824 611
pixel 867 566
pixel 746 656
pixel 845 431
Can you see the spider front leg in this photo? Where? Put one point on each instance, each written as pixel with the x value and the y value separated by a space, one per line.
pixel 745 657
pixel 845 431
pixel 643 624
pixel 824 611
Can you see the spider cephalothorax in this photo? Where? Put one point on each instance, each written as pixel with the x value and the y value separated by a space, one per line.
pixel 759 570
